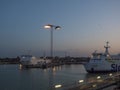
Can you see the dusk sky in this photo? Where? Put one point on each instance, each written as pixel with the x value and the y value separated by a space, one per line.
pixel 86 26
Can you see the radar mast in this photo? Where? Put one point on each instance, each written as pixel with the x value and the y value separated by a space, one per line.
pixel 106 48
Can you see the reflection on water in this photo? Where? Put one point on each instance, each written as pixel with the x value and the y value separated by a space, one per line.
pixel 12 77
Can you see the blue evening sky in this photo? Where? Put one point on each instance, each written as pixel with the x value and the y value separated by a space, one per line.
pixel 86 26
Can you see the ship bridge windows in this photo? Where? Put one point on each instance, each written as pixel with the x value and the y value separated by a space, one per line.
pixel 26 56
pixel 115 58
pixel 97 56
pixel 96 59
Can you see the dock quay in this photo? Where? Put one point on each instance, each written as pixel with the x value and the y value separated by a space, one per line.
pixel 100 83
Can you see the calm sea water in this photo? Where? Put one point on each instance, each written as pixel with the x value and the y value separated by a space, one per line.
pixel 12 77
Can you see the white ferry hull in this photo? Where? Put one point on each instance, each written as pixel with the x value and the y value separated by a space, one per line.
pixel 103 62
pixel 96 67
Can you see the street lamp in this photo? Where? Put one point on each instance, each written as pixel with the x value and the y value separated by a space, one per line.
pixel 51 27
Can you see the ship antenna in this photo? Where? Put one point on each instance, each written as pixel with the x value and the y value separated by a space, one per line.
pixel 106 48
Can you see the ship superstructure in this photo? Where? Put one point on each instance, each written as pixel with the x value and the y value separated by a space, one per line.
pixel 31 61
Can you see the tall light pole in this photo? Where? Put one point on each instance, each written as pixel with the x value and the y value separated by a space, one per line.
pixel 51 27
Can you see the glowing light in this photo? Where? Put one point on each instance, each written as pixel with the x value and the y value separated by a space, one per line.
pixel 20 66
pixel 94 85
pixel 110 74
pixel 107 55
pixel 54 69
pixel 47 26
pixel 58 86
pixel 80 81
pixel 98 77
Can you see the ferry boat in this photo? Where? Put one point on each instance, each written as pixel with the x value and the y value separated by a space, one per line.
pixel 29 61
pixel 103 62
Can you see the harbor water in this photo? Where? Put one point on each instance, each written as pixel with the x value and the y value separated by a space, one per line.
pixel 13 77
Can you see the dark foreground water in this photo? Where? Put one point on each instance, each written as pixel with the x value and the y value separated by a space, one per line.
pixel 12 77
